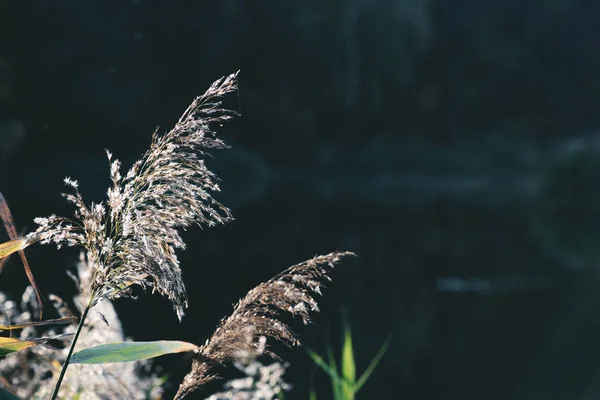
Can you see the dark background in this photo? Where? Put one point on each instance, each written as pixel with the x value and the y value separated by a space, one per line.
pixel 453 145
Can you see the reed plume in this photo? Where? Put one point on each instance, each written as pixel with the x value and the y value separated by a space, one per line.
pixel 132 238
pixel 242 336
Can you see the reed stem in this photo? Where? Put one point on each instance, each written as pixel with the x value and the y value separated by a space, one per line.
pixel 66 363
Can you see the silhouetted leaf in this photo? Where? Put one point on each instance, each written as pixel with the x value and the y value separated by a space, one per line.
pixel 6 395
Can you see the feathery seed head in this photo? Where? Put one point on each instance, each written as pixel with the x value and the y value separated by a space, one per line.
pixel 243 334
pixel 131 239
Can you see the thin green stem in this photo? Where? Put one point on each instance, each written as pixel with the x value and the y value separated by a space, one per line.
pixel 66 364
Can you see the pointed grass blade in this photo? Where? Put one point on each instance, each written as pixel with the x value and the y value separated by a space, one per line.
pixel 336 381
pixel 10 345
pixel 372 365
pixel 348 367
pixel 37 323
pixel 7 248
pixel 130 351
pixel 330 370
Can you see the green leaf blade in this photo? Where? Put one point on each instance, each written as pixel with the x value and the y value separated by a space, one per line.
pixel 348 367
pixel 330 369
pixel 336 384
pixel 372 365
pixel 130 351
pixel 321 363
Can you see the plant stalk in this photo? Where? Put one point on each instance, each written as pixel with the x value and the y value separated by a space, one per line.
pixel 66 363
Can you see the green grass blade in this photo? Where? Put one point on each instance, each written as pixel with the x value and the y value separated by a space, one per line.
pixel 336 384
pixel 129 351
pixel 348 367
pixel 324 366
pixel 6 395
pixel 372 365
pixel 331 370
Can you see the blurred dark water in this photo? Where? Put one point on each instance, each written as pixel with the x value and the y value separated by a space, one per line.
pixel 452 145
